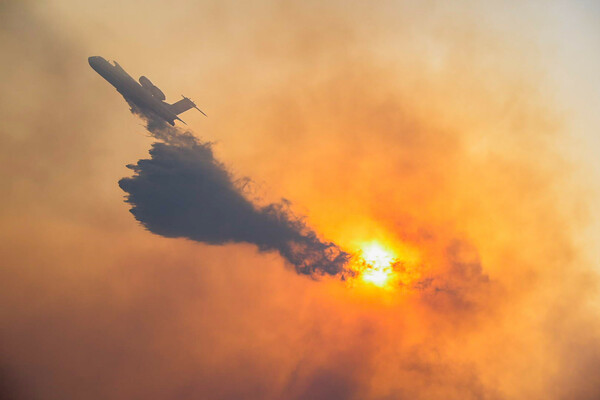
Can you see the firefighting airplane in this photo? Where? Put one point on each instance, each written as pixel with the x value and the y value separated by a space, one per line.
pixel 144 94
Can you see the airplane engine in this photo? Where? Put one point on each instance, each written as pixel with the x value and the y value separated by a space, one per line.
pixel 155 91
pixel 145 82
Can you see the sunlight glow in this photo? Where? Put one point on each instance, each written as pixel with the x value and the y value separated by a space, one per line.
pixel 379 261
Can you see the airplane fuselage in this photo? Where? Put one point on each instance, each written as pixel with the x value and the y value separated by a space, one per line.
pixel 131 90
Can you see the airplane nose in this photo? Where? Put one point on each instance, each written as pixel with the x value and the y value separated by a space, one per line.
pixel 93 61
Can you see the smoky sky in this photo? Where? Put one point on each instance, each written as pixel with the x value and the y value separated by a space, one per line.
pixel 413 123
pixel 183 191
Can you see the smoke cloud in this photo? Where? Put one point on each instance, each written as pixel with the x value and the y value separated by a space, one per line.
pixel 183 191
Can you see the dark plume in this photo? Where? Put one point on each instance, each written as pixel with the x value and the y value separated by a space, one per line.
pixel 183 191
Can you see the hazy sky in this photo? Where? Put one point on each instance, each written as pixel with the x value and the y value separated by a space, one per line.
pixel 461 136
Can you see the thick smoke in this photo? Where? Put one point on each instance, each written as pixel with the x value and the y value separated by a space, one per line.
pixel 183 191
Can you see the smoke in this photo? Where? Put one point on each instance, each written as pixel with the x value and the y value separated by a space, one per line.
pixel 450 139
pixel 183 191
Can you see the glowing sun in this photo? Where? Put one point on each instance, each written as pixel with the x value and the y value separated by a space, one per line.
pixel 379 261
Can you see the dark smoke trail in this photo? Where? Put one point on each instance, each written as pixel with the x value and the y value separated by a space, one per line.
pixel 183 191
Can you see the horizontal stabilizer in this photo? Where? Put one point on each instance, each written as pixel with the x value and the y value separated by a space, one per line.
pixel 184 105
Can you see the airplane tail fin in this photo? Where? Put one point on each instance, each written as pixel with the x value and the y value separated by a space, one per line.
pixel 184 105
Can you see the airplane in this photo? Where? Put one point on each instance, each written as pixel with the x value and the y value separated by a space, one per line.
pixel 144 94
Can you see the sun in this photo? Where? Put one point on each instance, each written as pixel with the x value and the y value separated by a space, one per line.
pixel 377 276
pixel 378 264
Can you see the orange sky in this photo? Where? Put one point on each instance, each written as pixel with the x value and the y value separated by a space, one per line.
pixel 454 135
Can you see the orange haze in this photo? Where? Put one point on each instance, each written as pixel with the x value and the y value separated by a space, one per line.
pixel 442 132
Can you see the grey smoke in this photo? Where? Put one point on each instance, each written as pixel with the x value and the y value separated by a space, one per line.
pixel 183 191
